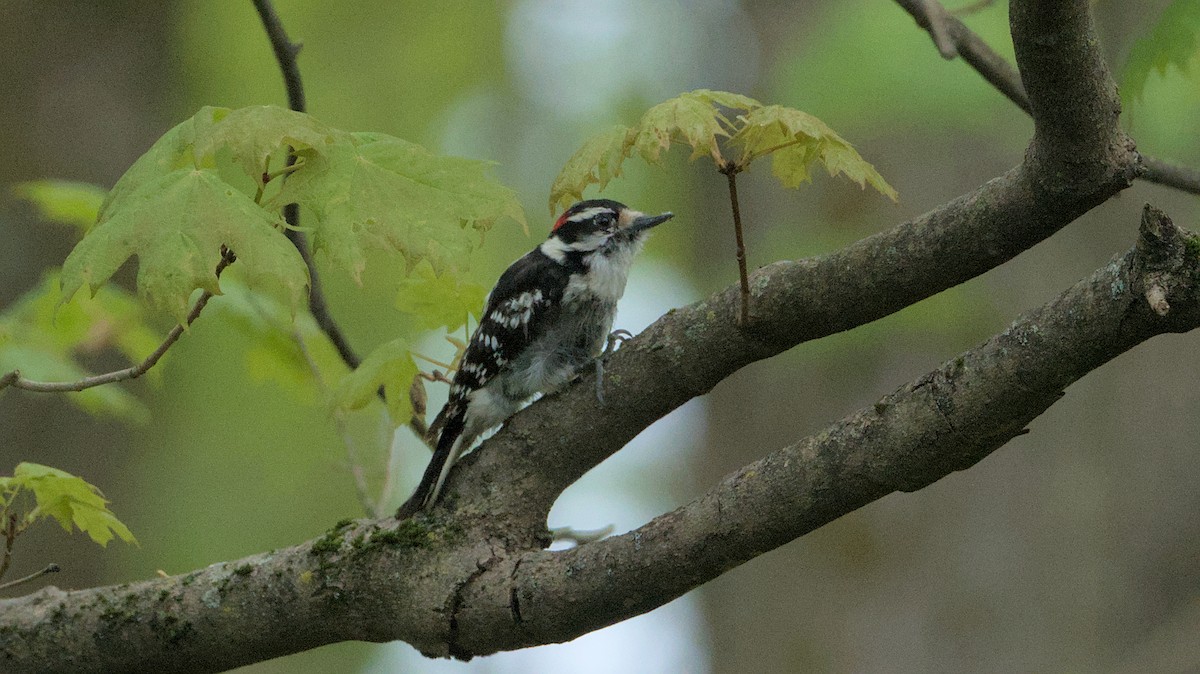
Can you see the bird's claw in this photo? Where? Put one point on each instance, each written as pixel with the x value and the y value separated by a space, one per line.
pixel 610 347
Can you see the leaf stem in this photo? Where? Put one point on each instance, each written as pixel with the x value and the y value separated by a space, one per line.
pixel 291 167
pixel 439 363
pixel 15 379
pixel 50 568
pixel 755 155
pixel 731 170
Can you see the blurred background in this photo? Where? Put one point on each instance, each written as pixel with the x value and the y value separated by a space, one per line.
pixel 1074 548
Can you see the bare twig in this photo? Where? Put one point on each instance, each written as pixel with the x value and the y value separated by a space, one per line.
pixel 50 568
pixel 285 54
pixel 1004 77
pixel 936 18
pixel 1171 175
pixel 731 170
pixel 15 379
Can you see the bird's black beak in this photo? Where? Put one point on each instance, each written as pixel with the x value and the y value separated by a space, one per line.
pixel 644 222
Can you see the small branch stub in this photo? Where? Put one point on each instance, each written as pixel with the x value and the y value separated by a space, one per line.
pixel 1156 295
pixel 1160 249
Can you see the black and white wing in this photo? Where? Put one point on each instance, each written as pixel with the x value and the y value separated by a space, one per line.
pixel 524 302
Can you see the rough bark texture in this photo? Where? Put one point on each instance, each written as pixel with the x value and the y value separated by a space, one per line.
pixel 471 577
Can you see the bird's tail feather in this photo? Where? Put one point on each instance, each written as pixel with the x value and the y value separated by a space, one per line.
pixel 447 451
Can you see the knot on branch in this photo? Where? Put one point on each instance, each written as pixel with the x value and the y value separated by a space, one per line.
pixel 1160 257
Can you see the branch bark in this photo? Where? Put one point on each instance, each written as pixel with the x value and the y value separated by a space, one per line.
pixel 456 586
pixel 471 577
pixel 931 16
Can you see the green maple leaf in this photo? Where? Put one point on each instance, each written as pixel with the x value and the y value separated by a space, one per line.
pixel 595 163
pixel 390 366
pixel 70 203
pixel 380 192
pixel 439 301
pixel 795 140
pixel 71 501
pixel 693 119
pixel 255 133
pixel 176 225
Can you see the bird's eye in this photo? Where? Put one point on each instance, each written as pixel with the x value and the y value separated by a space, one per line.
pixel 604 219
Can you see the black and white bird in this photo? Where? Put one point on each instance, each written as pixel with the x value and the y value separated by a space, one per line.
pixel 549 316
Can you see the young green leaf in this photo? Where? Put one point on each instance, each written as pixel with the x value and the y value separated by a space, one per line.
pixel 796 140
pixel 692 118
pixel 176 225
pixel 254 133
pixel 390 366
pixel 380 192
pixel 1174 41
pixel 70 203
pixel 595 163
pixel 439 301
pixel 70 500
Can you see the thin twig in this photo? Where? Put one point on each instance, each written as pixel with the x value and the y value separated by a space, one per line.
pixel 50 568
pixel 15 379
pixel 285 54
pixel 936 18
pixel 731 170
pixel 1004 77
pixel 1171 175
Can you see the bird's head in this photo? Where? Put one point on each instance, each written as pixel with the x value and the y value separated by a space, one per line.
pixel 601 223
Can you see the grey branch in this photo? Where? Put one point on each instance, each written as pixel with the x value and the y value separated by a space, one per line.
pixel 454 584
pixel 942 27
pixel 471 576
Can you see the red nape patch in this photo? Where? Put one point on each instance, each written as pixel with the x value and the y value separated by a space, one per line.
pixel 559 223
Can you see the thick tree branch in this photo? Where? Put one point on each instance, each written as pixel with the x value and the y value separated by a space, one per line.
pixel 458 587
pixel 945 421
pixel 1001 75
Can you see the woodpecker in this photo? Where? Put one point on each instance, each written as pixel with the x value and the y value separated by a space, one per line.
pixel 549 316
